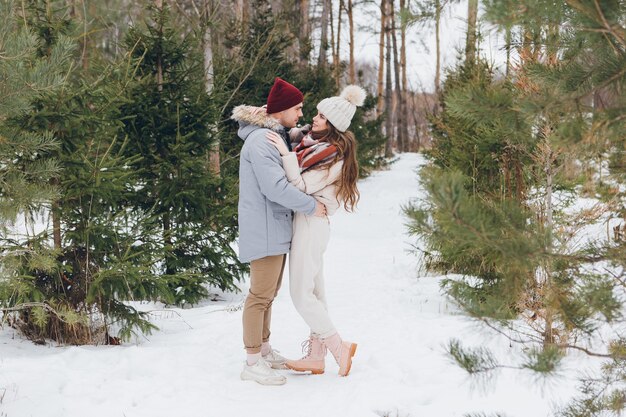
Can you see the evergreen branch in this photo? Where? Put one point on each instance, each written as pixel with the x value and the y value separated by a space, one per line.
pixel 25 306
pixel 579 258
pixel 589 13
pixel 476 361
pixel 531 337
pixel 607 25
pixel 534 338
pixel 151 312
pixel 585 350
pixel 230 158
pixel 230 308
pixel 615 77
pixel 24 54
pixel 258 56
pixel 616 277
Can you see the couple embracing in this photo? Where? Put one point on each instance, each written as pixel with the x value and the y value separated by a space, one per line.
pixel 311 179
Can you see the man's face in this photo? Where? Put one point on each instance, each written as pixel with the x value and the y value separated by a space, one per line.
pixel 289 118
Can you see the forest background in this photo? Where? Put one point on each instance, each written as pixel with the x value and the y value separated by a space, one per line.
pixel 118 162
pixel 119 172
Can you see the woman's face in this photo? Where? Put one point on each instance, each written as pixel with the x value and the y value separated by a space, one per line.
pixel 319 123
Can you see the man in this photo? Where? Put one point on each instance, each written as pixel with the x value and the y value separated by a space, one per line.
pixel 266 201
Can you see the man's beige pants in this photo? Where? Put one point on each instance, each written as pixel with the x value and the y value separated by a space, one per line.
pixel 266 275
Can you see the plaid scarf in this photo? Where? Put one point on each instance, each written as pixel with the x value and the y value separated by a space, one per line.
pixel 312 152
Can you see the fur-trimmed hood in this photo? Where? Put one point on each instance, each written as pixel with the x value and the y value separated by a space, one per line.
pixel 249 122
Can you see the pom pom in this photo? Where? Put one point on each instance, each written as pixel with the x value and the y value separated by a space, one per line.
pixel 354 94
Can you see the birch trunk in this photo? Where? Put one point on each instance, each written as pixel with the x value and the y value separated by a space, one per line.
pixel 322 61
pixel 208 42
pixel 304 32
pixel 548 338
pixel 78 13
pixel 381 59
pixel 331 20
pixel 56 221
pixel 470 45
pixel 167 227
pixel 337 62
pixel 404 127
pixel 399 119
pixel 242 12
pixel 159 5
pixel 388 86
pixel 351 71
pixel 438 49
pixel 416 121
pixel 508 50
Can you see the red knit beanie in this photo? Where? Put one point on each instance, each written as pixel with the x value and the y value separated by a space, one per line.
pixel 283 96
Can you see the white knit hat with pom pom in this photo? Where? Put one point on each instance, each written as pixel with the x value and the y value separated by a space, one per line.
pixel 340 110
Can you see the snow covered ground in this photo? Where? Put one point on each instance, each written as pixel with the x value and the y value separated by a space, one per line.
pixel 377 298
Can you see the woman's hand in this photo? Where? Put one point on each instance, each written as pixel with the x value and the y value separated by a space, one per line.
pixel 278 141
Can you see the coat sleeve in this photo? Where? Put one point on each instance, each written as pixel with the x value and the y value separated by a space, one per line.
pixel 328 197
pixel 297 133
pixel 320 183
pixel 292 171
pixel 268 169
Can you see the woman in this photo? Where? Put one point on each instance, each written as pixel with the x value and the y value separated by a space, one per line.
pixel 323 165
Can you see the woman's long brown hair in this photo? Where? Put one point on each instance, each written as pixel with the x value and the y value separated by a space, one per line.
pixel 345 142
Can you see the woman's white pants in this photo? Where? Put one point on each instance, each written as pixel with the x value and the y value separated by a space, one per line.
pixel 306 272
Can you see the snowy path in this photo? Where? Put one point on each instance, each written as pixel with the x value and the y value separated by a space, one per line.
pixel 191 367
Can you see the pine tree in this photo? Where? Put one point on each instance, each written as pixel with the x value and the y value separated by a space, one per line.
pixel 27 76
pixel 24 77
pixel 183 212
pixel 502 154
pixel 78 293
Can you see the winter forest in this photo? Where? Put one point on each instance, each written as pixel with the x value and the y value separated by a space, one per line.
pixel 483 271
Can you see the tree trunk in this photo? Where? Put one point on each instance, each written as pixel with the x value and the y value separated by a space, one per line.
pixel 56 223
pixel 167 232
pixel 170 269
pixel 351 71
pixel 381 59
pixel 207 45
pixel 404 127
pixel 388 86
pixel 78 13
pixel 552 40
pixel 549 224
pixel 337 62
pixel 322 61
pixel 396 66
pixel 438 50
pixel 553 43
pixel 241 12
pixel 277 6
pixel 208 42
pixel 331 21
pixel 472 17
pixel 159 5
pixel 416 122
pixel 304 37
pixel 508 51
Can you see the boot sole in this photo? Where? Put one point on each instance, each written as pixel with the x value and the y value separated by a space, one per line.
pixel 313 371
pixel 352 352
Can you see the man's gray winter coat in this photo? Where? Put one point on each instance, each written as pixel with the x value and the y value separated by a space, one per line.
pixel 266 198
